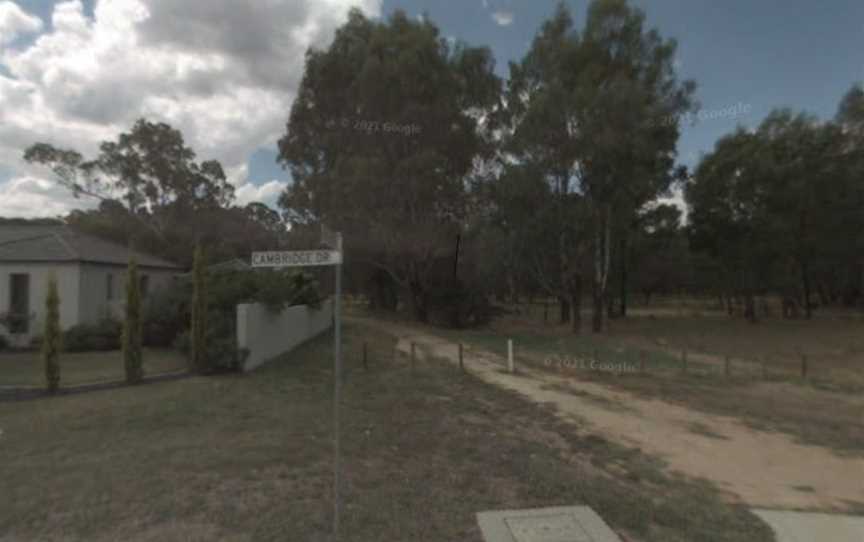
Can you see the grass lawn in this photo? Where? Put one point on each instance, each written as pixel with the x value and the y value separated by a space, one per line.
pixel 832 341
pixel 822 411
pixel 25 368
pixel 248 457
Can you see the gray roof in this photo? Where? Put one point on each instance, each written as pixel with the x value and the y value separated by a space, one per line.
pixel 49 243
pixel 230 265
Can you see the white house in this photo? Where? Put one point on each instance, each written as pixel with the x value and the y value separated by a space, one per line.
pixel 90 273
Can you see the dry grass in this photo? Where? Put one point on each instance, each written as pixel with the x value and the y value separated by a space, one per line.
pixel 826 409
pixel 25 368
pixel 249 458
pixel 834 347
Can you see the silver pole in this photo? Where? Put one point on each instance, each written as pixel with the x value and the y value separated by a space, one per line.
pixel 337 388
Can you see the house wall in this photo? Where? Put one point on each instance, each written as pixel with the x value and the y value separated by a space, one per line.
pixel 268 335
pixel 68 279
pixel 95 304
pixel 83 292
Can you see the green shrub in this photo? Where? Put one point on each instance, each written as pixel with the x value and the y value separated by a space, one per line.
pixel 132 356
pixel 198 362
pixel 15 322
pixel 220 345
pixel 166 314
pixel 100 337
pixel 205 304
pixel 52 337
pixel 458 304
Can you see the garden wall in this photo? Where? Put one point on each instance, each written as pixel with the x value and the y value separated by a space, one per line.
pixel 267 335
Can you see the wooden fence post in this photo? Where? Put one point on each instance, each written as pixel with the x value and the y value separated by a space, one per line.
pixel 642 355
pixel 684 361
pixel 461 365
pixel 510 365
pixel 728 368
pixel 803 365
pixel 365 361
pixel 413 354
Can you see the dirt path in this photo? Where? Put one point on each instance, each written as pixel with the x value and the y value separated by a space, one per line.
pixel 763 469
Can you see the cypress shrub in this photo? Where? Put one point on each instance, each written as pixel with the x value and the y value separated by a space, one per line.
pixel 198 330
pixel 51 342
pixel 132 327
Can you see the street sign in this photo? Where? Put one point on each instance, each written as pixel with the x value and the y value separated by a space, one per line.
pixel 296 258
pixel 308 258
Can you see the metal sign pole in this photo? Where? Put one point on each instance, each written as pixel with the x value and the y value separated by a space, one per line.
pixel 309 258
pixel 337 387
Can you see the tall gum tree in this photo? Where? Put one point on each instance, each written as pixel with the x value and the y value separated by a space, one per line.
pixel 598 113
pixel 386 133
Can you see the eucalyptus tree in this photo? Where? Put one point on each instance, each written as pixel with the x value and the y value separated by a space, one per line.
pixel 726 213
pixel 149 185
pixel 388 130
pixel 150 167
pixel 597 113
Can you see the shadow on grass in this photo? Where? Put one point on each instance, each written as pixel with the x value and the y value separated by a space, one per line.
pixel 250 458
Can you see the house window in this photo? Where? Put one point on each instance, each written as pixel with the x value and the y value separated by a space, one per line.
pixel 19 303
pixel 145 285
pixel 109 287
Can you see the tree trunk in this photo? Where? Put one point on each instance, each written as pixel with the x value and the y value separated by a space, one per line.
pixel 805 283
pixel 418 303
pixel 750 307
pixel 382 294
pixel 597 316
pixel 565 309
pixel 823 295
pixel 511 288
pixel 623 285
pixel 601 268
pixel 576 305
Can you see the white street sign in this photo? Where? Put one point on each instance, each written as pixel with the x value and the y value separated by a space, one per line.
pixel 309 258
pixel 297 258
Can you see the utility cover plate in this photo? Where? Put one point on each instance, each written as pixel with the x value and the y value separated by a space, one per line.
pixel 556 524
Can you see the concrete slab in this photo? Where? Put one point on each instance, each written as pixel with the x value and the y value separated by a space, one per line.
pixel 553 524
pixel 813 527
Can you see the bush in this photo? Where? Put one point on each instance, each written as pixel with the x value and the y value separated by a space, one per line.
pixel 458 305
pixel 15 322
pixel 99 337
pixel 166 315
pixel 132 327
pixel 167 320
pixel 4 343
pixel 220 345
pixel 53 338
pixel 276 289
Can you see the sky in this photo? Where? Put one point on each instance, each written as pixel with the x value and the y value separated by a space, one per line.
pixel 77 72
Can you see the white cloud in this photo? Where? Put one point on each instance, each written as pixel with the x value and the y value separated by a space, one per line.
pixel 15 22
pixel 503 18
pixel 266 193
pixel 223 72
pixel 34 197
